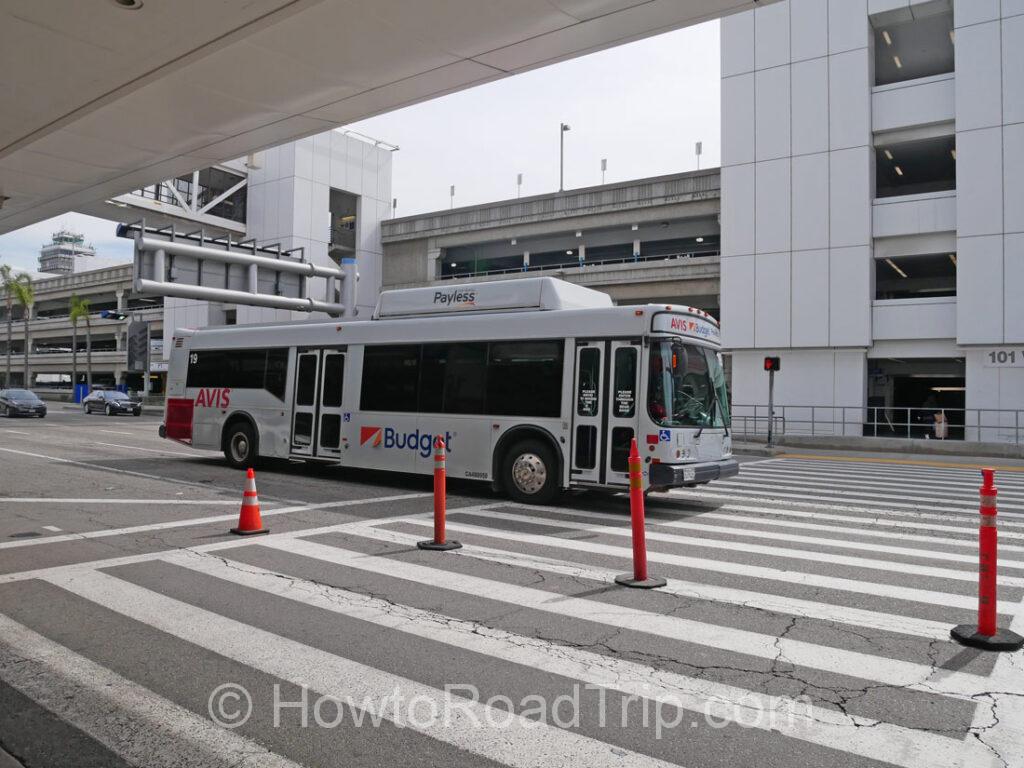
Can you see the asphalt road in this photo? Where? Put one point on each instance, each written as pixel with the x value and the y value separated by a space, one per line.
pixel 805 621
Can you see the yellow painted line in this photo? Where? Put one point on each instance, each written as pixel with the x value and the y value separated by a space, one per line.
pixel 911 462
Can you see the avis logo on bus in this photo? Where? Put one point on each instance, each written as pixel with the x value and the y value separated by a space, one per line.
pixel 389 437
pixel 213 397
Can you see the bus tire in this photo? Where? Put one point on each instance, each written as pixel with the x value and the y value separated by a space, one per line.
pixel 529 472
pixel 241 445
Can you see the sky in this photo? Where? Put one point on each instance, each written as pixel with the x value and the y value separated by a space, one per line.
pixel 642 106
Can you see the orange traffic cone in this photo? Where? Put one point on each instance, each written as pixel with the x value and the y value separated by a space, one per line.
pixel 249 522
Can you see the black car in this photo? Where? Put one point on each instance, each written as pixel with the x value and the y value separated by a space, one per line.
pixel 21 402
pixel 111 402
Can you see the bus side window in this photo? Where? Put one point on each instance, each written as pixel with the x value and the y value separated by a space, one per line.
pixel 277 372
pixel 390 378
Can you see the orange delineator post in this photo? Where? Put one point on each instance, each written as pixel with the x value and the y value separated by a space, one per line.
pixel 987 633
pixel 639 578
pixel 440 541
pixel 249 521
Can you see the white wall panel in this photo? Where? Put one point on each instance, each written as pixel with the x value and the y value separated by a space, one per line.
pixel 927 103
pixel 968 12
pixel 808 25
pixel 737 42
pixel 851 385
pixel 914 319
pixel 850 197
pixel 978 63
pixel 772 206
pixel 738 125
pixel 772 301
pixel 772 138
pixel 810 106
pixel 979 182
pixel 850 296
pixel 810 203
pixel 303 158
pixel 738 301
pixel 771 35
pixel 979 290
pixel 322 158
pixel 809 327
pixel 1013 264
pixel 881 6
pixel 849 100
pixel 737 210
pixel 1013 177
pixel 914 214
pixel 847 25
pixel 1013 68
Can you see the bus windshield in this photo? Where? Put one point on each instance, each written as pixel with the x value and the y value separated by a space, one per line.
pixel 686 386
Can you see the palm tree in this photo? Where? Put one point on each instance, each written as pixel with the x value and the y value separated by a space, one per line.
pixel 7 279
pixel 79 308
pixel 26 296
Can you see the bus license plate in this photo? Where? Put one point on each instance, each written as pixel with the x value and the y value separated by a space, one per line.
pixel 689 474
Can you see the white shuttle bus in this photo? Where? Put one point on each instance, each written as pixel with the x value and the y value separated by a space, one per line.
pixel 537 385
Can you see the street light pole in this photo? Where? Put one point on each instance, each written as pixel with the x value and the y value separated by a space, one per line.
pixel 562 128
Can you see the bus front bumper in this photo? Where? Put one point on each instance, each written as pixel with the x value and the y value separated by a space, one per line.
pixel 692 474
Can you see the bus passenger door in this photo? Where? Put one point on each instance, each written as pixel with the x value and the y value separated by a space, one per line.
pixel 587 412
pixel 332 375
pixel 307 376
pixel 622 403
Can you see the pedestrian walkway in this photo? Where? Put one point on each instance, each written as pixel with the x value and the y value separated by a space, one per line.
pixel 805 622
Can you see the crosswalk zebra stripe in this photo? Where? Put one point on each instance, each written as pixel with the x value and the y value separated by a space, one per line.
pixel 522 744
pixel 830 502
pixel 882 670
pixel 832 493
pixel 825 727
pixel 1010 477
pixel 958 490
pixel 757 572
pixel 890 566
pixel 841 614
pixel 775 522
pixel 131 721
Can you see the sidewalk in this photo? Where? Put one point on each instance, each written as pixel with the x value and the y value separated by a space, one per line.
pixel 951 454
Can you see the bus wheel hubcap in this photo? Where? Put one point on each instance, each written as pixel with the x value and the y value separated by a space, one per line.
pixel 529 473
pixel 239 447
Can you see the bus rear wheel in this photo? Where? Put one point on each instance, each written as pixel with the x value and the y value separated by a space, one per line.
pixel 240 446
pixel 529 472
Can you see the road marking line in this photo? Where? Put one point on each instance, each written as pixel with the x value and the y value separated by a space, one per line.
pixel 965 490
pixel 522 742
pixel 227 543
pixel 839 495
pixel 909 510
pixel 908 462
pixel 801 525
pixel 15 432
pixel 726 703
pixel 107 532
pixel 132 473
pixel 919 677
pixel 52 528
pixel 895 471
pixel 842 614
pixel 116 432
pixel 183 452
pixel 889 566
pixel 140 726
pixel 46 500
pixel 758 572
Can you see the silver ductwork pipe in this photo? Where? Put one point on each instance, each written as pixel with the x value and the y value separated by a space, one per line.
pixel 204 253
pixel 203 293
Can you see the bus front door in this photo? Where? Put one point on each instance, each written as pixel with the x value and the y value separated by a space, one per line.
pixel 316 416
pixel 588 412
pixel 621 403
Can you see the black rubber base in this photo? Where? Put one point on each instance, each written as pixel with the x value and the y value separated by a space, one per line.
pixel 440 547
pixel 257 532
pixel 651 582
pixel 1002 640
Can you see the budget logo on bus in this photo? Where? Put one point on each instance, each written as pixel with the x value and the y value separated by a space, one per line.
pixel 389 437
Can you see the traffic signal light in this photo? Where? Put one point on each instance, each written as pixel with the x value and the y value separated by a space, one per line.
pixel 772 364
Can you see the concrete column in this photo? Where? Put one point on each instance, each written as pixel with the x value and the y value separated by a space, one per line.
pixel 582 254
pixel 121 300
pixel 526 260
pixel 636 250
pixel 433 263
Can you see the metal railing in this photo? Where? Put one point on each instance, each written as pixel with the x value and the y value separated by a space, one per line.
pixel 577 264
pixel 997 425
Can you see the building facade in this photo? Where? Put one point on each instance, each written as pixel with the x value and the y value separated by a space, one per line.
pixel 873 210
pixel 646 240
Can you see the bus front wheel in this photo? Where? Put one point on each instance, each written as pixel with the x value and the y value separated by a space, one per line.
pixel 529 472
pixel 240 445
